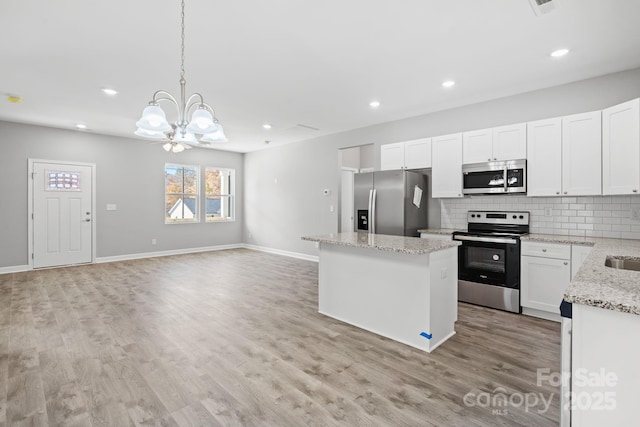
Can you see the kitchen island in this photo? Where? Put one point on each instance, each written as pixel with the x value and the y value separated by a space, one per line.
pixel 403 288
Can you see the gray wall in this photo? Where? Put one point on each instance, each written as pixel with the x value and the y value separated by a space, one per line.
pixel 276 215
pixel 130 173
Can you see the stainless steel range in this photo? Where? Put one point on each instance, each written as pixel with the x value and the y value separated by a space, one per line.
pixel 489 259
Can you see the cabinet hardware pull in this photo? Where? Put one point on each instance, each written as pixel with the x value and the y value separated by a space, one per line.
pixel 566 263
pixel 557 192
pixel 544 250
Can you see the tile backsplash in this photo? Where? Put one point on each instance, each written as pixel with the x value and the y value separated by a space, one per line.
pixel 597 216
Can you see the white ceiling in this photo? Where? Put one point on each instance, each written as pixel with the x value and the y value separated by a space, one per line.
pixel 295 62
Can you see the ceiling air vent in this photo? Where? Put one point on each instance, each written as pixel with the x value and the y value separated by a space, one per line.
pixel 542 7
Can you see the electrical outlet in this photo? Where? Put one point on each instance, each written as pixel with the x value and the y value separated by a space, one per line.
pixel 635 214
pixel 548 212
pixel 444 273
pixel 154 241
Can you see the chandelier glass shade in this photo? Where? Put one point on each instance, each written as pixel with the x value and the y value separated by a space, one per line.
pixel 196 123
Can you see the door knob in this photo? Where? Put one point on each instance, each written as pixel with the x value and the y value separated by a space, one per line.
pixel 87 220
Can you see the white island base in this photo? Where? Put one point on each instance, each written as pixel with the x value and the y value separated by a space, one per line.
pixel 407 297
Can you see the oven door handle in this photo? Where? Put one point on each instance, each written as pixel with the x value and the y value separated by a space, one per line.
pixel 487 239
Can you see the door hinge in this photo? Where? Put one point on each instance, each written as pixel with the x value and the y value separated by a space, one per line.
pixel 33 175
pixel 32 255
pixel 32 216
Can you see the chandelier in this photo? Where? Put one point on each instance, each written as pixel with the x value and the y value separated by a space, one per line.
pixel 202 129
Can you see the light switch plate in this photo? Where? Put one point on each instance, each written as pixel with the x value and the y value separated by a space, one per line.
pixel 111 207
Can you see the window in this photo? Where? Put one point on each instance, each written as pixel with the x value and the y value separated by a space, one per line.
pixel 181 194
pixel 62 181
pixel 219 193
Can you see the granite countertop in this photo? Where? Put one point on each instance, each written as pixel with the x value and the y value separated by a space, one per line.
pixel 383 242
pixel 568 240
pixel 600 286
pixel 444 231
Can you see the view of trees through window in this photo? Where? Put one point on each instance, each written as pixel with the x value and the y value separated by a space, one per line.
pixel 218 196
pixel 181 193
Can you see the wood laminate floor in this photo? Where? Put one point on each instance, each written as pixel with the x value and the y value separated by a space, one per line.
pixel 234 338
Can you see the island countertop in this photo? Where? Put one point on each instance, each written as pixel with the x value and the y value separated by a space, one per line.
pixel 600 286
pixel 383 242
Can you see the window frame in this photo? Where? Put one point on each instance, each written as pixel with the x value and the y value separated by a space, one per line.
pixel 231 195
pixel 197 219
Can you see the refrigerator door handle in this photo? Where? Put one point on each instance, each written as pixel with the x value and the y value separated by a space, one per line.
pixel 369 211
pixel 372 220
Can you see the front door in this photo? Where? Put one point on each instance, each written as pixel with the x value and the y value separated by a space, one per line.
pixel 62 217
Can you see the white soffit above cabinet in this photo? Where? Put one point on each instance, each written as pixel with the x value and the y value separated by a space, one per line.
pixel 286 62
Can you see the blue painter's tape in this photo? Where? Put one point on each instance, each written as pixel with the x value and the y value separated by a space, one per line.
pixel 426 335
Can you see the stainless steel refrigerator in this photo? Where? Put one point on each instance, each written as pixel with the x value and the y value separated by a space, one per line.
pixel 391 202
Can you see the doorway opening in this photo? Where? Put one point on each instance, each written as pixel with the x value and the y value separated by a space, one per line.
pixel 352 160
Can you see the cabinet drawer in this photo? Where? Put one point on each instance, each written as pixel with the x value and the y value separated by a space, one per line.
pixel 546 250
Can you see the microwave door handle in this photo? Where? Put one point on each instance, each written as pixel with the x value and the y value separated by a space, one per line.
pixel 370 211
pixel 506 175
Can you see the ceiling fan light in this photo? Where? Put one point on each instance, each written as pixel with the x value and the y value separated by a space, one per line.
pixel 167 147
pixel 153 119
pixel 187 137
pixel 201 122
pixel 178 148
pixel 150 133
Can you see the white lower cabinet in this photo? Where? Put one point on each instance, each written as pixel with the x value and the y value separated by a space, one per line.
pixel 545 272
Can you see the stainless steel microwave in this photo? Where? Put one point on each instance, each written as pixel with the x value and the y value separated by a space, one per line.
pixel 495 177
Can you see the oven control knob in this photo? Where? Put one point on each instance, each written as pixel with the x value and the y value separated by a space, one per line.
pixel 515 216
pixel 496 257
pixel 521 217
pixel 473 215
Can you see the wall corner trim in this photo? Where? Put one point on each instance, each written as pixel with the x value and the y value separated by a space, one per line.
pixel 14 269
pixel 313 258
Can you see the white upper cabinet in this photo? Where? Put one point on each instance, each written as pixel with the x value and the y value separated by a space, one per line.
pixel 544 157
pixel 447 166
pixel 392 156
pixel 564 156
pixel 417 154
pixel 414 154
pixel 621 148
pixel 501 143
pixel 510 142
pixel 477 146
pixel 582 154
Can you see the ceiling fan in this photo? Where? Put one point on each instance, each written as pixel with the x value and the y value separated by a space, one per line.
pixel 176 143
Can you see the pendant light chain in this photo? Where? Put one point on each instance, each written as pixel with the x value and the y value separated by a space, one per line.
pixel 182 45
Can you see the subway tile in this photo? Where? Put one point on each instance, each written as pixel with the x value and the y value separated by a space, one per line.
pixel 593 233
pixel 635 228
pixel 576 219
pixel 593 220
pixel 576 206
pixel 560 219
pixel 612 234
pixel 546 231
pixel 580 233
pixel 602 213
pixel 568 212
pixel 585 226
pixel 621 199
pixel 593 206
pixel 631 235
pixel 621 227
pixel 611 220
pixel 585 199
pixel 614 207
pixel 569 200
pixel 621 214
pixel 602 227
pixel 570 226
pixel 585 213
pixel 604 199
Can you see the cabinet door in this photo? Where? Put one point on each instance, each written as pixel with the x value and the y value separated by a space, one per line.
pixel 621 148
pixel 543 282
pixel 582 154
pixel 447 166
pixel 392 156
pixel 544 157
pixel 477 146
pixel 510 142
pixel 417 154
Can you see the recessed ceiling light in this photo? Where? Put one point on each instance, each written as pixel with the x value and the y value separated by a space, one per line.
pixel 266 126
pixel 374 104
pixel 109 91
pixel 81 126
pixel 560 52
pixel 448 83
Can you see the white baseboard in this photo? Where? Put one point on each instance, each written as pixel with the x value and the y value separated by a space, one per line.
pixel 141 255
pixel 14 269
pixel 297 255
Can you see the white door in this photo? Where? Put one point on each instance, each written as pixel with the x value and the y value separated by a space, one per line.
pixel 446 172
pixel 392 156
pixel 543 282
pixel 346 201
pixel 417 154
pixel 620 148
pixel 62 216
pixel 544 157
pixel 582 154
pixel 510 142
pixel 477 146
